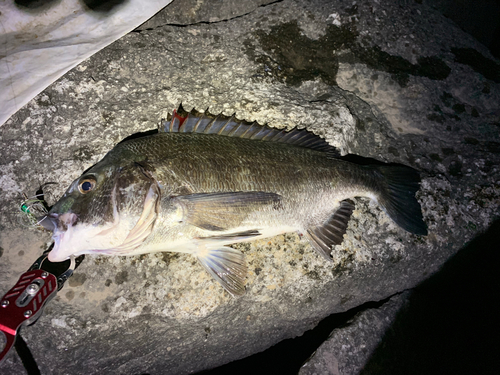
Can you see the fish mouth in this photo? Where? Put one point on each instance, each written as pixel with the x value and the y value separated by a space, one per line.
pixel 49 221
pixel 61 226
pixel 54 255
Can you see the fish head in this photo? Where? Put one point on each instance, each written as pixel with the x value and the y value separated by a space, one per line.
pixel 101 208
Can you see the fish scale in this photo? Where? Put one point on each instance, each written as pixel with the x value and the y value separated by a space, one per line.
pixel 207 160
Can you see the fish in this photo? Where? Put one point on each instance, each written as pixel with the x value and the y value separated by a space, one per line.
pixel 204 182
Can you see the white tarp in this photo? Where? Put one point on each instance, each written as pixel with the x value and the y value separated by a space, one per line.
pixel 37 46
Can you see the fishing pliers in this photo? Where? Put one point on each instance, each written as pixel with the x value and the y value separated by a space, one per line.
pixel 23 304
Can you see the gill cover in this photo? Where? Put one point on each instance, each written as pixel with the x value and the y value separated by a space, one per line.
pixel 102 212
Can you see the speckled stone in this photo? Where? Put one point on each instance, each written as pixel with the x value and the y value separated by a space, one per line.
pixel 375 79
pixel 348 348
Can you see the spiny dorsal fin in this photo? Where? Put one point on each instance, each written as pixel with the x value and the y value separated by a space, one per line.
pixel 323 237
pixel 206 123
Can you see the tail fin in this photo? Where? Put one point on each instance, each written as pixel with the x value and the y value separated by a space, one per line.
pixel 397 197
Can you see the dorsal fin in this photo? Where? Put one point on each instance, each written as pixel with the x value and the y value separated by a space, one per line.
pixel 205 123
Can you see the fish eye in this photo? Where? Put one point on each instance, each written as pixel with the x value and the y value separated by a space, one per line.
pixel 86 185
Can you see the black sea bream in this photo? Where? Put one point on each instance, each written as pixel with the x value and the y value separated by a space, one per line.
pixel 205 182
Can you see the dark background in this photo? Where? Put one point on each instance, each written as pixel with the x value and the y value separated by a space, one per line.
pixel 479 18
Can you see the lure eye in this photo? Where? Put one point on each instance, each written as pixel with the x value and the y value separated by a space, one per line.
pixel 86 185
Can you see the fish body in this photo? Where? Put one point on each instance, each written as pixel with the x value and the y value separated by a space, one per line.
pixel 209 181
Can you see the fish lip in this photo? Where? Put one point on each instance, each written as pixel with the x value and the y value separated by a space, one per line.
pixel 55 253
pixel 62 233
pixel 49 222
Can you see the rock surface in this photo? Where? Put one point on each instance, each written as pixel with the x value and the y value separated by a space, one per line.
pixel 377 79
pixel 447 324
pixel 189 12
pixel 348 348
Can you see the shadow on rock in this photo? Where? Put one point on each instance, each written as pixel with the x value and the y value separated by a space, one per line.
pixel 450 324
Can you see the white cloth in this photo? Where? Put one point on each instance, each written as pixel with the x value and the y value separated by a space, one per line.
pixel 39 46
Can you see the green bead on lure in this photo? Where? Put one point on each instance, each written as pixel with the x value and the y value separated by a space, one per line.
pixel 32 210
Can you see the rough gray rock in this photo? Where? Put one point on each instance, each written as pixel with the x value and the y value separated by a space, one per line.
pixel 189 12
pixel 348 348
pixel 377 79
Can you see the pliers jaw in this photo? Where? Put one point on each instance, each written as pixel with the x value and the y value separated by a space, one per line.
pixel 23 304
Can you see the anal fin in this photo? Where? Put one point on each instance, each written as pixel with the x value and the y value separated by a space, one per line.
pixel 247 235
pixel 323 237
pixel 227 266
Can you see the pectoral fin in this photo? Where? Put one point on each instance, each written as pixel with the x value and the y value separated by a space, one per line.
pixel 227 266
pixel 222 211
pixel 323 237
